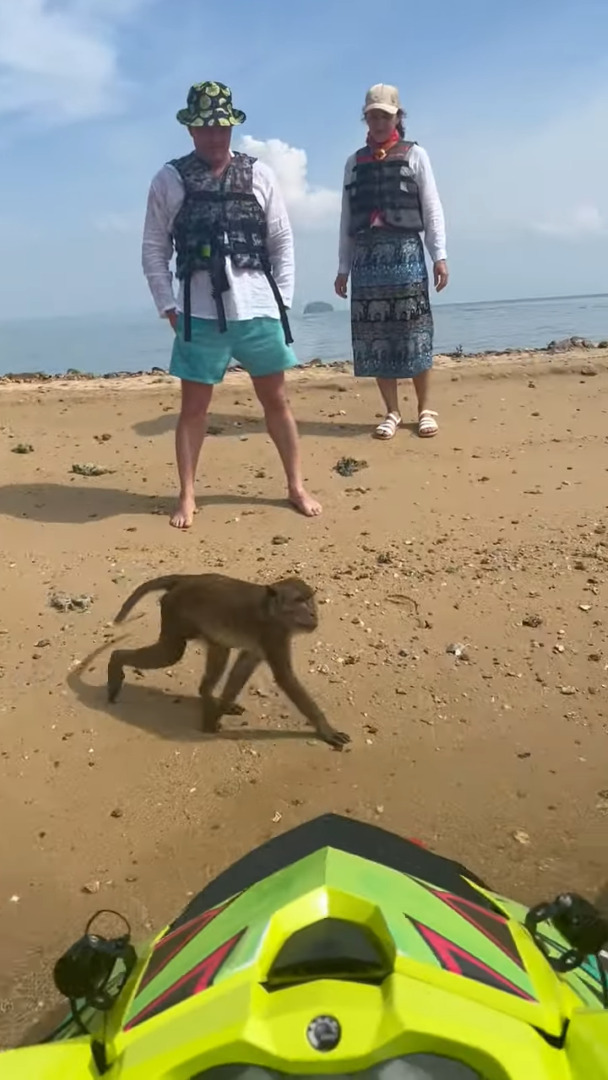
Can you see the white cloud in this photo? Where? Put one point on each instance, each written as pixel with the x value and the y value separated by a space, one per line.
pixel 581 223
pixel 58 60
pixel 312 207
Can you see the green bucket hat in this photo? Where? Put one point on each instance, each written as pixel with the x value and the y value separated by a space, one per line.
pixel 209 104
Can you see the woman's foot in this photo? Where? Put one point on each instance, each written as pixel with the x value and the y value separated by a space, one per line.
pixel 388 428
pixel 427 424
pixel 183 515
pixel 304 502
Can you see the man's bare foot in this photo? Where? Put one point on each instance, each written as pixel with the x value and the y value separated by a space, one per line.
pixel 304 502
pixel 183 516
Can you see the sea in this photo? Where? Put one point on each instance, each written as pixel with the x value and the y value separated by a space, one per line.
pixel 106 344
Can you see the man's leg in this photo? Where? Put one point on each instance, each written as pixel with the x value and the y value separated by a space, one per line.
pixel 281 426
pixel 191 428
pixel 199 364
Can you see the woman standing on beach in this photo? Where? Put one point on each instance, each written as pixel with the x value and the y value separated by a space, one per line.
pixel 389 199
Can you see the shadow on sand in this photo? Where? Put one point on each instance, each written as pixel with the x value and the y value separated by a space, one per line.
pixel 166 715
pixel 224 425
pixel 77 504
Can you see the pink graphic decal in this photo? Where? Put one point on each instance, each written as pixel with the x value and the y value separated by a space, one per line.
pixel 193 982
pixel 172 943
pixel 491 924
pixel 460 962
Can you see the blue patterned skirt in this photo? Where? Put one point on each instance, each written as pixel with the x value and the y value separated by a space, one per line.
pixel 391 318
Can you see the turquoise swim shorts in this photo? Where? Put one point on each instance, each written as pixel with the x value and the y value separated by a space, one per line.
pixel 258 345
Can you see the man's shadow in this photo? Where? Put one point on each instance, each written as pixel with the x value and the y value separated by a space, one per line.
pixel 162 713
pixel 234 425
pixel 77 504
pixel 225 425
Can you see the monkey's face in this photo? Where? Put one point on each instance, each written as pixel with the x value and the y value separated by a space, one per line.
pixel 293 604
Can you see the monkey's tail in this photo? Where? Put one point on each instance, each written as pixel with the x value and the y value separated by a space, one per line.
pixel 156 585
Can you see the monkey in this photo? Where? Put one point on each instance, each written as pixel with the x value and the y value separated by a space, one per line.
pixel 225 613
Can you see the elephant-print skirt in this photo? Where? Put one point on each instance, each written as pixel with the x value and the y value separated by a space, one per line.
pixel 391 318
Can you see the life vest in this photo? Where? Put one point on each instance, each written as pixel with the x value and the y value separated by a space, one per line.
pixel 220 218
pixel 388 186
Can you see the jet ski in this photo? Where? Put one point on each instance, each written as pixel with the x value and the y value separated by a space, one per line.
pixel 337 948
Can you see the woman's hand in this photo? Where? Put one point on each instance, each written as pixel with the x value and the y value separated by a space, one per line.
pixel 341 285
pixel 440 274
pixel 172 318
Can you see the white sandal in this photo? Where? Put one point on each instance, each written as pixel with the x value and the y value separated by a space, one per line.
pixel 388 427
pixel 427 425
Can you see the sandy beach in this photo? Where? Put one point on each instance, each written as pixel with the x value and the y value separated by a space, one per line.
pixel 463 640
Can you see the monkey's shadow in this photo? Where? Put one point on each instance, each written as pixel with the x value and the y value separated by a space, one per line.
pixel 163 713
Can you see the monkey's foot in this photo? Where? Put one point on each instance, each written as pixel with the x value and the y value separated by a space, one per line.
pixel 183 515
pixel 304 502
pixel 337 739
pixel 210 725
pixel 114 690
pixel 211 716
pixel 230 710
pixel 234 710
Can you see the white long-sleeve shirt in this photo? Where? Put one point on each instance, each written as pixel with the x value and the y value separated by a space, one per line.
pixel 250 295
pixel 432 210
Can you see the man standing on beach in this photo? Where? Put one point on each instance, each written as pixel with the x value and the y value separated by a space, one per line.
pixel 224 216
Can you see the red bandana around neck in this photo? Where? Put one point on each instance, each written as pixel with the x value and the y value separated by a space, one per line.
pixel 380 150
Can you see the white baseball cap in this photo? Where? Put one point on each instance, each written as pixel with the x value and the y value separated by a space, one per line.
pixel 384 97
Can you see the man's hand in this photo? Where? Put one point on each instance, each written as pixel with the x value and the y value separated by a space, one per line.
pixel 172 317
pixel 440 274
pixel 341 285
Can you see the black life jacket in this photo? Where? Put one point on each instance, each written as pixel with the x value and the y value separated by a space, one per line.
pixel 388 186
pixel 220 218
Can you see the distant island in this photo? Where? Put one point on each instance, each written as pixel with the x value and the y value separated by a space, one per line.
pixel 317 307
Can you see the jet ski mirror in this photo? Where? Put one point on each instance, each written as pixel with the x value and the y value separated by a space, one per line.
pixel 84 971
pixel 583 927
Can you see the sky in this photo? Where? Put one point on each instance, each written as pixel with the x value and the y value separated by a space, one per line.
pixel 510 101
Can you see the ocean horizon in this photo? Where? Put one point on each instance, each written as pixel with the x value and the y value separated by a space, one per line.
pixel 102 344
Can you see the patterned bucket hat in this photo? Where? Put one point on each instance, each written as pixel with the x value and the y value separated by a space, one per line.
pixel 209 104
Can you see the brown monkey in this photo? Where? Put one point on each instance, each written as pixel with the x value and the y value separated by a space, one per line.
pixel 225 613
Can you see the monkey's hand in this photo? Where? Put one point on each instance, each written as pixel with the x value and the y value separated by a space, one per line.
pixel 289 683
pixel 337 739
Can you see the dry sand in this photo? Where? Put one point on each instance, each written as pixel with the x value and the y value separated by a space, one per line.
pixel 492 536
